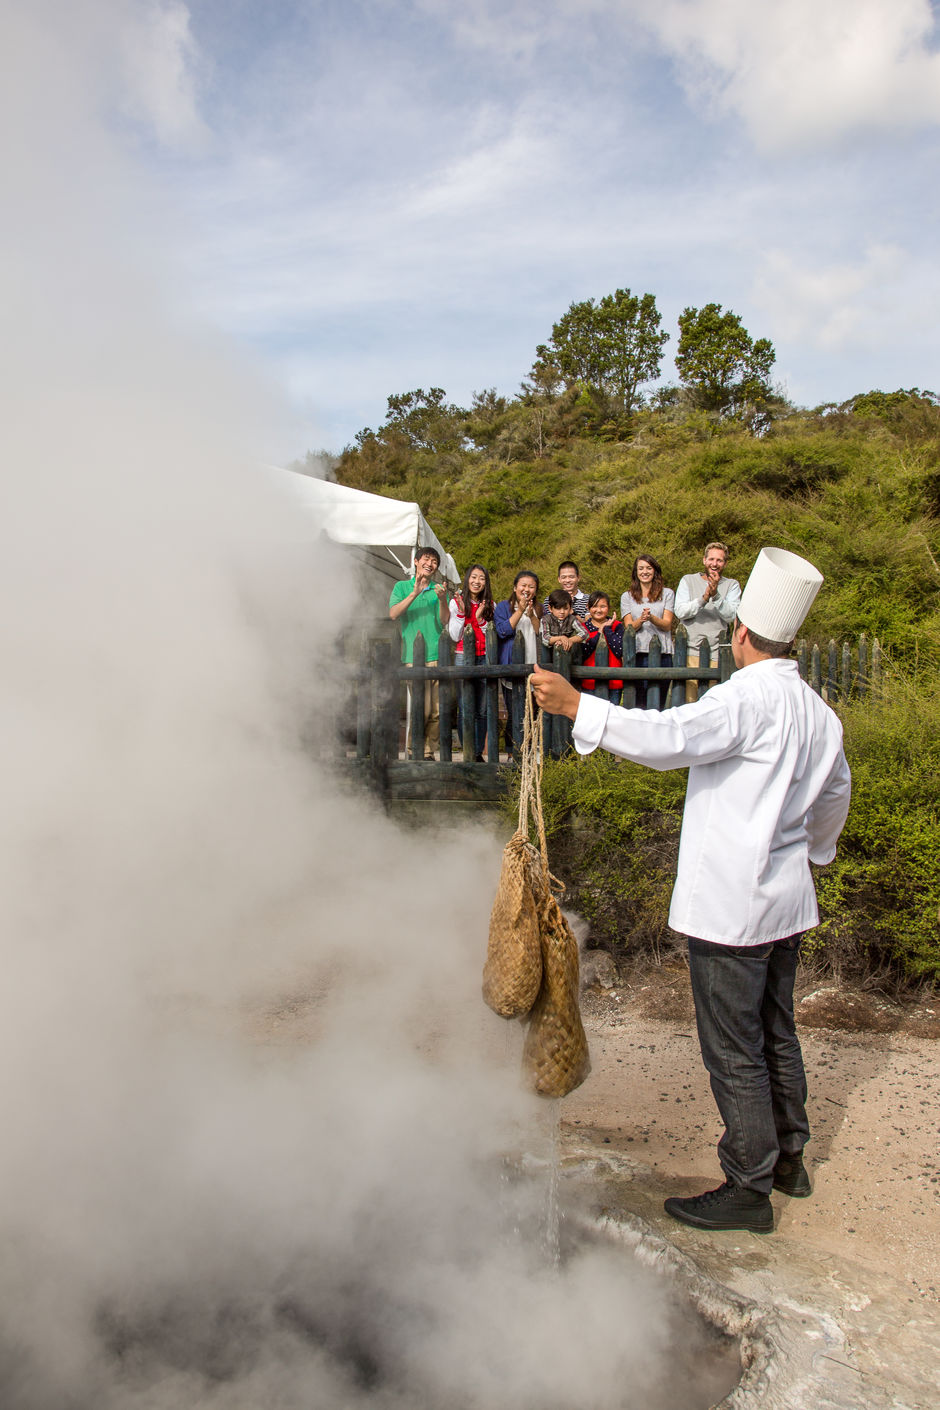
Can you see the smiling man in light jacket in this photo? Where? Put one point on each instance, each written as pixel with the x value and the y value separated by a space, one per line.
pixel 768 793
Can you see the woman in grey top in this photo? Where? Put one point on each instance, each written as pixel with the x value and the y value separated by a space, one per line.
pixel 648 606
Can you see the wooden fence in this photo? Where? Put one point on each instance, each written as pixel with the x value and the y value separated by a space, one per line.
pixel 392 759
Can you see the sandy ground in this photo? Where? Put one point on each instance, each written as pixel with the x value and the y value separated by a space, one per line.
pixel 864 1249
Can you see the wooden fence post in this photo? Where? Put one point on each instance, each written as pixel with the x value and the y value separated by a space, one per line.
pixel 364 701
pixel 704 661
pixel 419 691
pixel 492 697
pixel 680 658
pixel 653 688
pixel 876 669
pixel 384 706
pixel 561 725
pixel 629 659
pixel 602 658
pixel 846 672
pixel 832 673
pixel 862 666
pixel 816 670
pixel 801 657
pixel 445 657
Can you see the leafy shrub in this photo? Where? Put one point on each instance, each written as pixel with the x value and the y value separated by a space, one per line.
pixel 880 898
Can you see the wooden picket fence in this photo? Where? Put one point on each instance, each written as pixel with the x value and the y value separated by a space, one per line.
pixel 389 744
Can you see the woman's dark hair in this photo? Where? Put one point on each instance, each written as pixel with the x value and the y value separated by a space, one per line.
pixel 526 573
pixel 656 586
pixel 485 612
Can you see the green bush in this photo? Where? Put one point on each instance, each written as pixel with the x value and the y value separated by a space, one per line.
pixel 880 898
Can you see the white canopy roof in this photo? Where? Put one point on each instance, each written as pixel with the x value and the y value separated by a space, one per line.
pixel 382 533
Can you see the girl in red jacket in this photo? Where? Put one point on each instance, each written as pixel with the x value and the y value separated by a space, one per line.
pixel 599 620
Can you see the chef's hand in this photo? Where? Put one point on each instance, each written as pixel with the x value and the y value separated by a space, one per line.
pixel 554 693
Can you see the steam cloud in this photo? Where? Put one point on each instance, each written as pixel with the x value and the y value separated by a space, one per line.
pixel 193 1211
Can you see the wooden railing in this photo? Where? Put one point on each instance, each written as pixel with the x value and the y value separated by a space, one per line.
pixel 851 672
pixel 398 768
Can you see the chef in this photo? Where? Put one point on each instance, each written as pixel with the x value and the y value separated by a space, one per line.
pixel 768 793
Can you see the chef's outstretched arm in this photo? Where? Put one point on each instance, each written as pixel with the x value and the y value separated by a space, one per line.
pixel 701 733
pixel 554 694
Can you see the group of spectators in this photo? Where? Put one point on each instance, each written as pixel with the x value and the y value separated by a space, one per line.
pixel 705 602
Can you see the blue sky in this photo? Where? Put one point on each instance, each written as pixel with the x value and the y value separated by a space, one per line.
pixel 374 195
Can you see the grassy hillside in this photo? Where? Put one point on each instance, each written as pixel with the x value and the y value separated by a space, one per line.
pixel 858 494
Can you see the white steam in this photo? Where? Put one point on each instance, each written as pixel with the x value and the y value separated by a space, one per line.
pixel 193 1210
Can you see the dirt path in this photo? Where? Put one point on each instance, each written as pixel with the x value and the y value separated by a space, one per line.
pixel 865 1248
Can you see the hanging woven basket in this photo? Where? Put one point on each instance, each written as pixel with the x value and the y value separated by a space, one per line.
pixel 532 963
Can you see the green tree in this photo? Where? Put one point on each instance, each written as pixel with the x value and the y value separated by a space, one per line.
pixel 425 420
pixel 720 364
pixel 613 346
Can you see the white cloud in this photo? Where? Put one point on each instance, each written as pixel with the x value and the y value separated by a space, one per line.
pixel 846 307
pixel 804 72
pixel 159 70
pixel 486 175
pixel 511 29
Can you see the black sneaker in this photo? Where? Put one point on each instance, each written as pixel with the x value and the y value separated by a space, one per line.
pixel 728 1207
pixel 791 1177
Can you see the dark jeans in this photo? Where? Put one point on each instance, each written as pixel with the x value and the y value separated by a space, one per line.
pixel 479 709
pixel 744 1013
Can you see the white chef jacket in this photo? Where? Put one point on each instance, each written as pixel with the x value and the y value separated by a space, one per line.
pixel 768 792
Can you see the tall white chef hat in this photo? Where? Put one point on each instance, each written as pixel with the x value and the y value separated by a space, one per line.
pixel 779 593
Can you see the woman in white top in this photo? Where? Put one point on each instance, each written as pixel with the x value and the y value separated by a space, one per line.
pixel 648 605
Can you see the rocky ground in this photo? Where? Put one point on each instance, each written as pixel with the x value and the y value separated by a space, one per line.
pixel 863 1252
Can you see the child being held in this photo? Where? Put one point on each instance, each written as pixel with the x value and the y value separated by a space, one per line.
pixel 559 625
